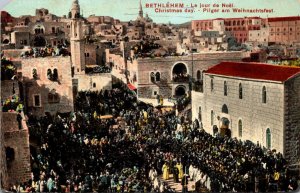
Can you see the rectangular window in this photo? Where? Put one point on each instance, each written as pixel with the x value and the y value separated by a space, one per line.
pixel 36 100
pixel 155 92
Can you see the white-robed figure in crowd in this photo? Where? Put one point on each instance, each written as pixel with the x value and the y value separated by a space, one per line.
pixel 152 174
pixel 192 171
pixel 156 183
pixel 197 174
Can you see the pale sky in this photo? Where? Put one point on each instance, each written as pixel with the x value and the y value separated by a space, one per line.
pixel 126 10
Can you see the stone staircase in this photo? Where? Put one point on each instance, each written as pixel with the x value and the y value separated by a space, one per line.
pixel 186 109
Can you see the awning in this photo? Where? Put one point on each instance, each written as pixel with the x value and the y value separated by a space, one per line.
pixel 131 86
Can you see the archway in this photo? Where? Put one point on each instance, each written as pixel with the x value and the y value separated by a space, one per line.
pixel 5 41
pixel 224 130
pixel 39 41
pixel 180 91
pixel 180 73
pixel 225 109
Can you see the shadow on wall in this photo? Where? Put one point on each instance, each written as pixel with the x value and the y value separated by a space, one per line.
pixel 41 99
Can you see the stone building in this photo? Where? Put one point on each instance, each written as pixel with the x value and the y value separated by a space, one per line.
pixel 3 167
pixel 284 30
pixel 14 144
pixel 17 152
pixel 170 76
pixel 260 36
pixel 239 27
pixel 83 54
pixel 279 30
pixel 47 84
pixel 252 101
pixel 42 29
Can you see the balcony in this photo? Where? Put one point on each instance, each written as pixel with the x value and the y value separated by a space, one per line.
pixel 181 78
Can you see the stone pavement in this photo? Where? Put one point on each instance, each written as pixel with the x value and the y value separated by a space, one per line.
pixel 177 186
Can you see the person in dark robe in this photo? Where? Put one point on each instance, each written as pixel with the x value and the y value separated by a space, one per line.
pixel 19 119
pixel 175 174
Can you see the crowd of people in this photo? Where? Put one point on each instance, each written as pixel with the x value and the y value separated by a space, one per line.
pixel 181 77
pixel 98 69
pixel 114 143
pixel 48 50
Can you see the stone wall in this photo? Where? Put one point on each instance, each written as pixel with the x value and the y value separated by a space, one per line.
pixel 292 121
pixel 197 62
pixel 7 88
pixel 3 168
pixel 284 31
pixel 90 53
pixel 197 102
pixel 255 115
pixel 42 86
pixel 94 82
pixel 20 39
pixel 18 169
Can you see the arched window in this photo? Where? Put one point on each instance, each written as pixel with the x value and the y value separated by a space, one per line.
pixel 268 138
pixel 225 88
pixel 240 128
pixel 94 85
pixel 157 76
pixel 212 84
pixel 264 95
pixel 224 109
pixel 49 74
pixel 199 75
pixel 152 77
pixel 212 117
pixel 55 75
pixel 53 97
pixel 34 74
pixel 240 91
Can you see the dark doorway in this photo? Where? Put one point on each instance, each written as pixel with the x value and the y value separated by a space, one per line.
pixel 180 91
pixel 6 41
pixel 10 156
pixel 225 131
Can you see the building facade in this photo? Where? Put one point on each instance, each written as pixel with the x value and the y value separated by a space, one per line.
pixel 252 101
pixel 274 30
pixel 285 30
pixel 15 153
pixel 239 27
pixel 170 76
pixel 47 84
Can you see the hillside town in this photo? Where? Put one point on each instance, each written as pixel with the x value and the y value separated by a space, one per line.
pixel 96 104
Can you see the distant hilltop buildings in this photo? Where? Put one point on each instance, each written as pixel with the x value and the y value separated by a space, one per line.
pixel 276 30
